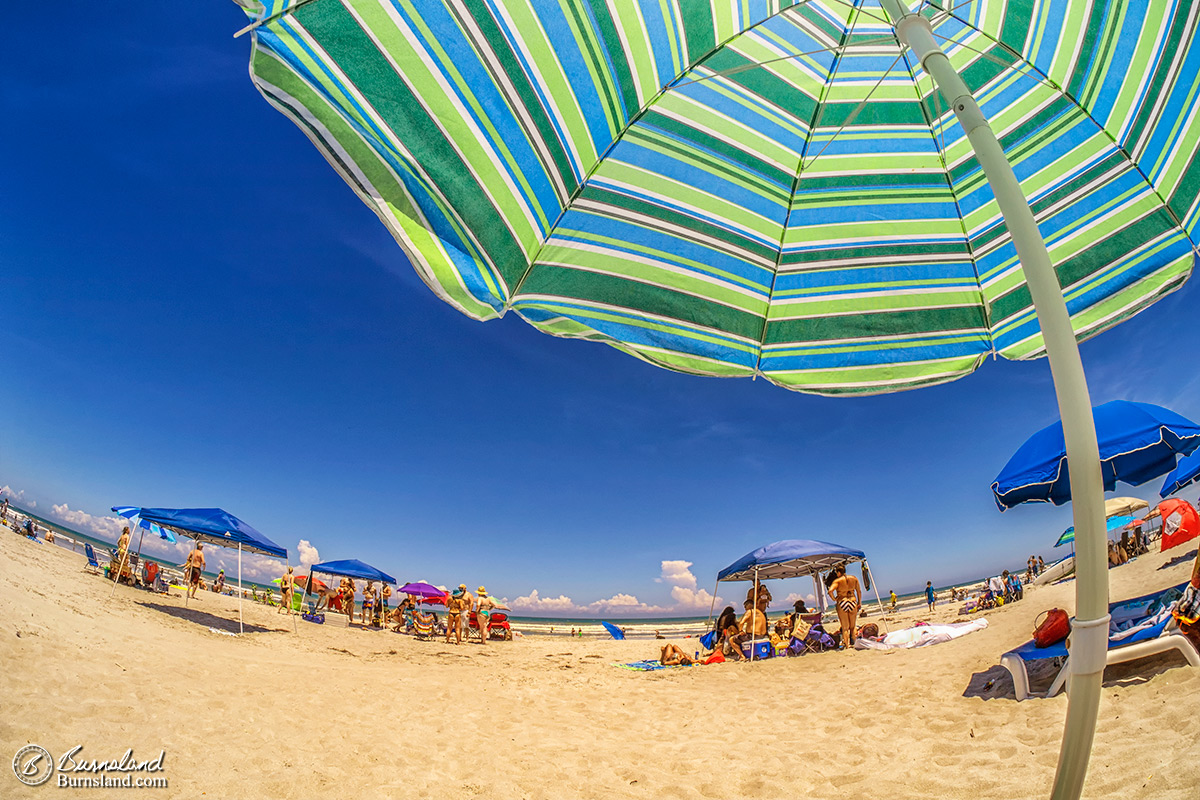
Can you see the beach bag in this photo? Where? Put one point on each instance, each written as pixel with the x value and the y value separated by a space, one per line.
pixel 715 658
pixel 1051 630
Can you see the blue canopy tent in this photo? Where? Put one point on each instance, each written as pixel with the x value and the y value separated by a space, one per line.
pixel 349 568
pixel 213 525
pixel 1187 471
pixel 793 558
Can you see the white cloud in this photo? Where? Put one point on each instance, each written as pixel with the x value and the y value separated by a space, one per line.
pixel 692 600
pixel 794 596
pixel 18 496
pixel 106 527
pixel 308 554
pixel 678 573
pixel 535 602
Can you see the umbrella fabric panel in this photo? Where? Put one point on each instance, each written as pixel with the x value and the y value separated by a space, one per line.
pixel 586 166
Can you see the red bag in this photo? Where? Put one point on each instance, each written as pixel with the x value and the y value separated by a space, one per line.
pixel 1053 629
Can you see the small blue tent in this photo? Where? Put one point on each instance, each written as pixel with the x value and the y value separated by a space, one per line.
pixel 352 568
pixel 791 558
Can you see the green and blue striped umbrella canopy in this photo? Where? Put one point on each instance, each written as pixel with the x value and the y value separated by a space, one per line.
pixel 759 187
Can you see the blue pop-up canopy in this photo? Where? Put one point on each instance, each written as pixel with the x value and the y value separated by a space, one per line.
pixel 210 525
pixel 352 568
pixel 791 558
pixel 1187 471
pixel 1138 442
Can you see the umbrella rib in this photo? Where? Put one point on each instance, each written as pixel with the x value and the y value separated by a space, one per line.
pixel 281 12
pixel 1052 84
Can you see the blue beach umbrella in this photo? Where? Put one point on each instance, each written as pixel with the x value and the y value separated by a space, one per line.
pixel 616 632
pixel 1186 472
pixel 1138 442
pixel 131 513
pixel 1114 523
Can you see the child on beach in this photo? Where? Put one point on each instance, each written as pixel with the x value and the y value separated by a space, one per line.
pixel 930 595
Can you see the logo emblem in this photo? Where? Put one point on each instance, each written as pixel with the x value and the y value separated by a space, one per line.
pixel 33 765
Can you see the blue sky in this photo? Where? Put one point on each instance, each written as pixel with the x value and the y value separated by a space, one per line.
pixel 199 312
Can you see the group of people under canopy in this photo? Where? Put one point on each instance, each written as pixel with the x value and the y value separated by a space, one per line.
pixel 735 637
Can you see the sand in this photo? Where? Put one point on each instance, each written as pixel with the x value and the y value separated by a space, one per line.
pixel 348 713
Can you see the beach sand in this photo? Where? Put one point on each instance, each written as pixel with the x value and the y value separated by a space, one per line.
pixel 334 711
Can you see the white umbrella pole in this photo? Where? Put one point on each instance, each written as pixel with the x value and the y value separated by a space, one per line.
pixel 241 628
pixel 713 604
pixel 124 561
pixel 1089 637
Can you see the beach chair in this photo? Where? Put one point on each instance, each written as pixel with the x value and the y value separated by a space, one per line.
pixel 92 563
pixel 424 625
pixel 1145 628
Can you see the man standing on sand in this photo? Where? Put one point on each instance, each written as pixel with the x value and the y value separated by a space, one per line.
pixel 192 568
pixel 894 598
pixel 465 616
pixel 930 595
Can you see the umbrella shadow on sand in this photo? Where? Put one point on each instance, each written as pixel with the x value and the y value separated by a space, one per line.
pixel 996 683
pixel 1177 560
pixel 207 620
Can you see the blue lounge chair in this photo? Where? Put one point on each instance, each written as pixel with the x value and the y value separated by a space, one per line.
pixel 1146 629
pixel 91 557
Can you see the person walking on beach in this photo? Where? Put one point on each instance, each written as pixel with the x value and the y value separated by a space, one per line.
pixel 1041 567
pixel 848 595
pixel 894 599
pixel 930 595
pixel 219 586
pixel 4 509
pixel 285 590
pixel 192 568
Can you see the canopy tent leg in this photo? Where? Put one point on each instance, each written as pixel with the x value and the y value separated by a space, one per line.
pixel 295 624
pixel 878 602
pixel 713 604
pixel 753 639
pixel 1090 631
pixel 241 627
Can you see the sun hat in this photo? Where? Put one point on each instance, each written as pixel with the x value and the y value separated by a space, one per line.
pixel 481 590
pixel 457 592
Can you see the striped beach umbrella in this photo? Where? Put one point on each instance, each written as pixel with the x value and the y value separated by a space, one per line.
pixel 132 514
pixel 809 191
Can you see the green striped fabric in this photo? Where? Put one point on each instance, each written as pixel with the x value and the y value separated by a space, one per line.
pixel 760 187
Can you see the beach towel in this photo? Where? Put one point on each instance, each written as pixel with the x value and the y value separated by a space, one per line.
pixel 921 636
pixel 650 665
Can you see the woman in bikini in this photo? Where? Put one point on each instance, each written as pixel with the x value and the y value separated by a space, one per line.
pixel 672 656
pixel 285 592
pixel 848 595
pixel 454 611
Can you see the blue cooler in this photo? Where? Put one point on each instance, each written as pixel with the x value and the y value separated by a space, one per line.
pixel 762 649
